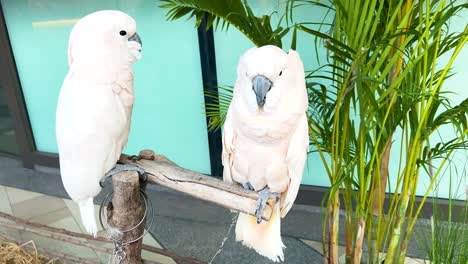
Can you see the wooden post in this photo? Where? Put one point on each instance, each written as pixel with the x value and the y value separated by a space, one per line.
pixel 126 211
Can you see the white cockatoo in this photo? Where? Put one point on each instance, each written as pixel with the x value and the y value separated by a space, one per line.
pixel 266 139
pixel 95 104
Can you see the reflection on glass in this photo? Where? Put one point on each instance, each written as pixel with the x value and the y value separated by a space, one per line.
pixel 7 133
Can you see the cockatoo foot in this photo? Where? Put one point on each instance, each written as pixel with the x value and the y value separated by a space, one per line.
pixel 124 167
pixel 263 196
pixel 248 186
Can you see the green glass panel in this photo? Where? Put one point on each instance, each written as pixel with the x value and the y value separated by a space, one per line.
pixel 169 111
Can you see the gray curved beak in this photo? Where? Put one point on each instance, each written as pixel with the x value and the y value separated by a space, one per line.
pixel 136 38
pixel 261 85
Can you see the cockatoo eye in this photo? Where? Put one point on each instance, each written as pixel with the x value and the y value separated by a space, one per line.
pixel 123 32
pixel 281 72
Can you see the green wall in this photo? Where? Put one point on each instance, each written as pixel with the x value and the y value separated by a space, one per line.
pixel 168 114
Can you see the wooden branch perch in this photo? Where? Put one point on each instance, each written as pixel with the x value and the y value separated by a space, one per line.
pixel 164 172
pixel 26 223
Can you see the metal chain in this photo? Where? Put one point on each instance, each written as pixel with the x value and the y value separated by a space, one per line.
pixel 118 254
pixel 221 246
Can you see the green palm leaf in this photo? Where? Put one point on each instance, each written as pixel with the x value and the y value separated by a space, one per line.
pixel 229 12
pixel 217 110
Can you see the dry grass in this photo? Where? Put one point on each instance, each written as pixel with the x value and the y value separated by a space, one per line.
pixel 12 253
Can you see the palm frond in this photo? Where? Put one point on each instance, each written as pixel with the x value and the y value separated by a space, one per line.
pixel 230 12
pixel 457 116
pixel 217 110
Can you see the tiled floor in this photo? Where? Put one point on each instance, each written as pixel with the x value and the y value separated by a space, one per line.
pixel 186 226
pixel 63 213
pixel 60 213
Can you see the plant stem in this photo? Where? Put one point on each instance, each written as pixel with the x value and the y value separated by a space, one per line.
pixel 395 236
pixel 359 239
pixel 333 229
pixel 348 235
pixel 379 198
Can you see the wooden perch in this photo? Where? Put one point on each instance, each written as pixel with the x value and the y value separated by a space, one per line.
pixel 20 223
pixel 164 172
pixel 127 199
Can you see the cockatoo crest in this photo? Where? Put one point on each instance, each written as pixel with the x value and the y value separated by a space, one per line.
pixel 274 64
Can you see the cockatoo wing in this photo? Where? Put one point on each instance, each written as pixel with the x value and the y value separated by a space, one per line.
pixel 91 132
pixel 228 145
pixel 296 158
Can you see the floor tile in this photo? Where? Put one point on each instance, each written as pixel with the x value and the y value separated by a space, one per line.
pixel 10 233
pixel 59 246
pixel 101 233
pixel 157 258
pixel 75 212
pixel 103 257
pixel 37 206
pixel 67 223
pixel 149 240
pixel 414 261
pixel 4 201
pixel 48 218
pixel 18 195
pixel 317 245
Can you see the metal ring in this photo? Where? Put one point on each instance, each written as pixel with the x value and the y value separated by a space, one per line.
pixel 146 200
pixel 133 228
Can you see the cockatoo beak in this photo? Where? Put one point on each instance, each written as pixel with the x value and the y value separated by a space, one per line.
pixel 261 85
pixel 135 38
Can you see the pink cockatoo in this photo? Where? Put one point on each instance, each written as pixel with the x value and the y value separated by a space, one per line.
pixel 95 104
pixel 266 140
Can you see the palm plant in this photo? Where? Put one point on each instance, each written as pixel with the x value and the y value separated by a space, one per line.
pixel 383 80
pixel 386 79
pixel 445 238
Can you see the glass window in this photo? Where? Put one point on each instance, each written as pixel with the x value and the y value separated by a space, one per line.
pixel 7 132
pixel 168 115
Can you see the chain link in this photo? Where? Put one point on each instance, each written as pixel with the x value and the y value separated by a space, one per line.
pixel 118 254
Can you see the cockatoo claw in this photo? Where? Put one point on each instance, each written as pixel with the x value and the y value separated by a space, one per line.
pixel 248 186
pixel 263 196
pixel 144 177
pixel 124 167
pixel 134 158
